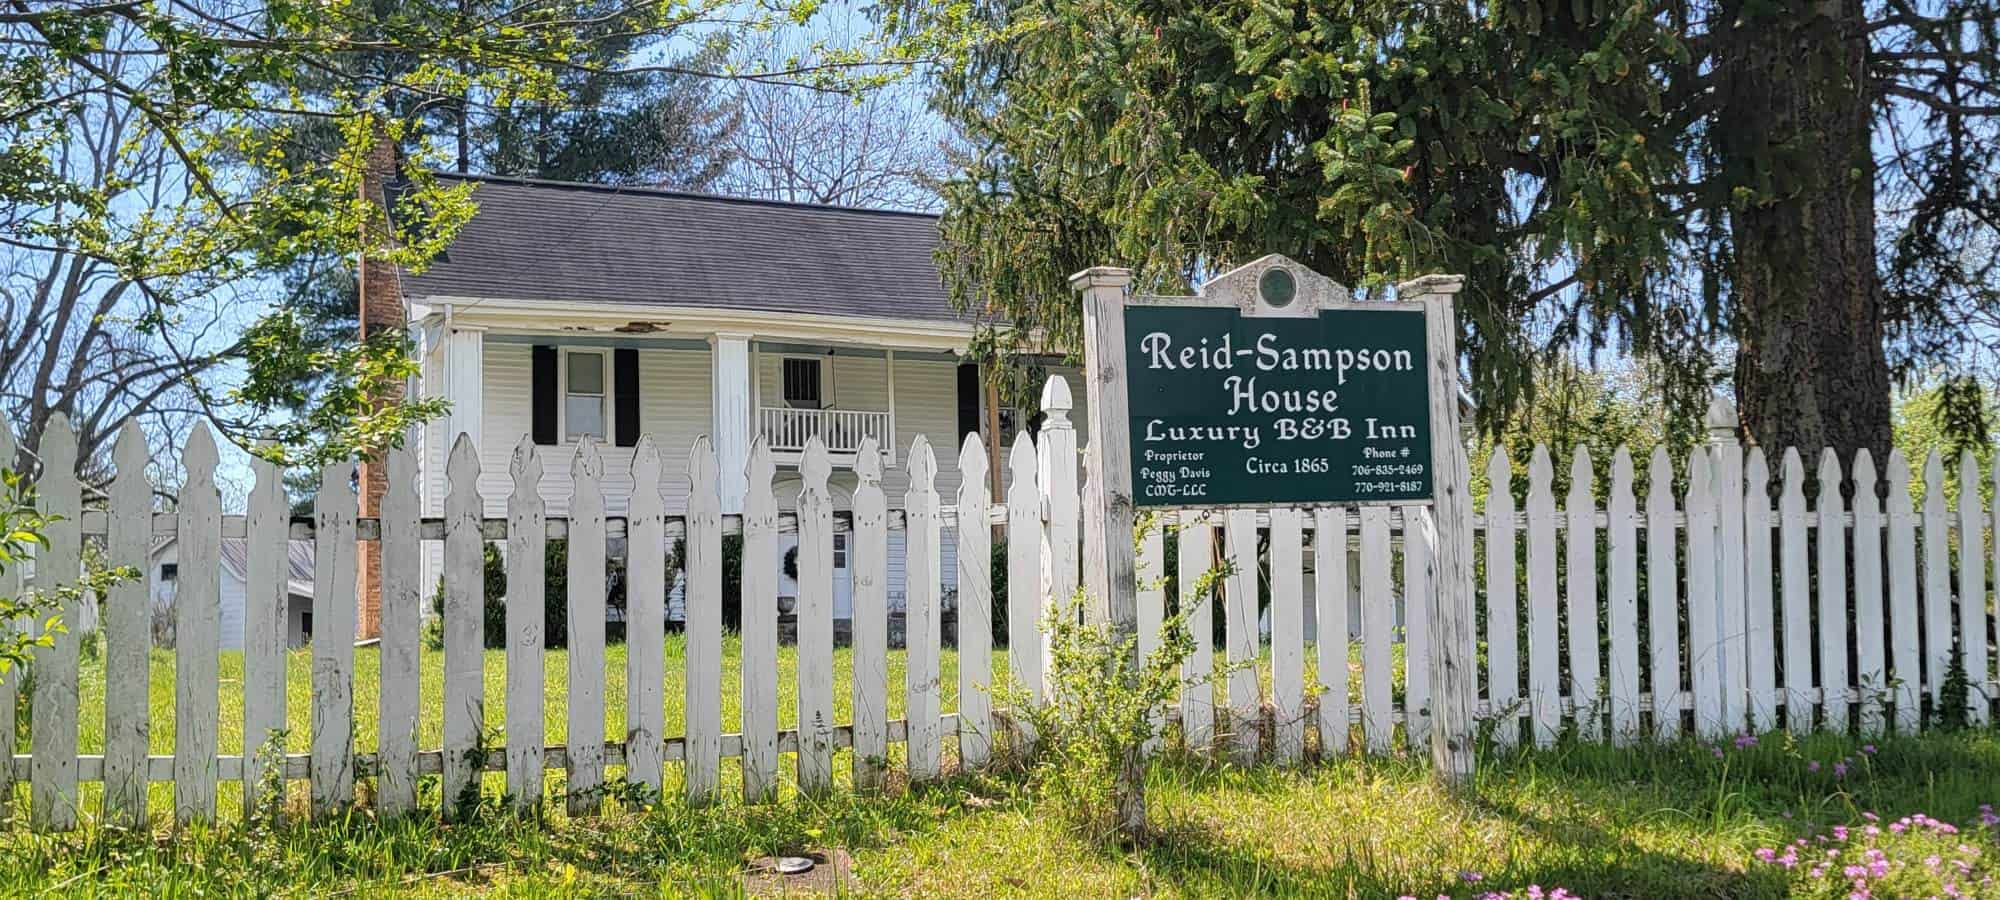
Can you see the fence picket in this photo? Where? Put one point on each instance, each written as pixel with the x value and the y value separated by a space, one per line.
pixel 1378 622
pixel 585 728
pixel 1972 586
pixel 1760 619
pixel 815 620
pixel 1240 633
pixel 1663 620
pixel 1871 665
pixel 1796 589
pixel 1622 604
pixel 1417 559
pixel 1905 669
pixel 1150 568
pixel 975 609
pixel 527 578
pixel 403 594
pixel 1704 664
pixel 332 768
pixel 871 612
pixel 760 627
pixel 128 628
pixel 703 755
pixel 1330 654
pixel 1056 461
pixel 921 614
pixel 1833 617
pixel 1503 658
pixel 197 633
pixel 10 680
pixel 1024 566
pixel 1544 694
pixel 1580 589
pixel 53 695
pixel 1937 581
pixel 464 627
pixel 646 589
pixel 1288 625
pixel 1196 548
pixel 1732 643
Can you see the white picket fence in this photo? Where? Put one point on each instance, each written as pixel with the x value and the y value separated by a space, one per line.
pixel 1715 605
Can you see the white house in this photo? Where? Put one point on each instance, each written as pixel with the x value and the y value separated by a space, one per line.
pixel 163 576
pixel 565 310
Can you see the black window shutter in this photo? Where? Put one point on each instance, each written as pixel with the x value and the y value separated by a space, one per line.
pixel 625 395
pixel 543 396
pixel 968 400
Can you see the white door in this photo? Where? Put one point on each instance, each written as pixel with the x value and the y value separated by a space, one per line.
pixel 843 578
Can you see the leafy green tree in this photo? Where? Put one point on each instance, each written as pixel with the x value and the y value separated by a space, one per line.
pixel 1666 178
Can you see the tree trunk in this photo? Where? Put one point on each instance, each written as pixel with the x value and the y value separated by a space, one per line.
pixel 1793 140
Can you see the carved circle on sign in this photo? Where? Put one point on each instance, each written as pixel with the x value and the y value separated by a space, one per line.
pixel 1277 287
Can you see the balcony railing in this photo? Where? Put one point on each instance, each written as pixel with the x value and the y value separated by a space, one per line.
pixel 786 430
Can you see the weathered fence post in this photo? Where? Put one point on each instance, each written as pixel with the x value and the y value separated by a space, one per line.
pixel 1732 642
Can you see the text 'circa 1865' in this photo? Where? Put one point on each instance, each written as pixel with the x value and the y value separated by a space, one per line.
pixel 1229 410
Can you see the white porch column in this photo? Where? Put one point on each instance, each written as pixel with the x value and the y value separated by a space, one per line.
pixel 732 427
pixel 464 384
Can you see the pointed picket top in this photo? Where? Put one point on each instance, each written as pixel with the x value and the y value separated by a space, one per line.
pixel 702 468
pixel 1756 477
pixel 1499 472
pixel 972 465
pixel 1829 476
pixel 525 466
pixel 923 464
pixel 589 461
pixel 129 455
pixel 1864 476
pixel 814 465
pixel 462 466
pixel 1581 477
pixel 1898 467
pixel 868 461
pixel 1541 473
pixel 199 458
pixel 1056 401
pixel 1933 478
pixel 1660 472
pixel 1698 474
pixel 1968 477
pixel 1795 474
pixel 1621 471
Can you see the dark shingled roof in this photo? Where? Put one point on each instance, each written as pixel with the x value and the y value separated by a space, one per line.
pixel 546 240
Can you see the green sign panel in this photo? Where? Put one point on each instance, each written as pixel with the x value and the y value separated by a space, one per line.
pixel 1229 410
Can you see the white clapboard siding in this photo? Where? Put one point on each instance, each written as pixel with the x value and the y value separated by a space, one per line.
pixel 1544 693
pixel 1972 586
pixel 1330 656
pixel 1378 622
pixel 402 629
pixel 1580 589
pixel 1024 567
pixel 1871 663
pixel 197 633
pixel 921 619
pixel 1663 619
pixel 1796 590
pixel 10 680
pixel 53 797
pixel 1417 561
pixel 1704 648
pixel 1936 580
pixel 1503 615
pixel 1196 549
pixel 526 585
pixel 1760 606
pixel 815 621
pixel 760 627
pixel 975 609
pixel 1622 602
pixel 128 627
pixel 464 629
pixel 1905 671
pixel 1832 586
pixel 1240 624
pixel 646 616
pixel 332 767
pixel 1288 625
pixel 704 624
pixel 870 557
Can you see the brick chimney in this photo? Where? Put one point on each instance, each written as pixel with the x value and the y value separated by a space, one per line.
pixel 381 308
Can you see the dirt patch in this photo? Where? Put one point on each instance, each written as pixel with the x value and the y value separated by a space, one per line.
pixel 832 873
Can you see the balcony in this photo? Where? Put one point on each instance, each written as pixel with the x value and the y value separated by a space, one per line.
pixel 786 430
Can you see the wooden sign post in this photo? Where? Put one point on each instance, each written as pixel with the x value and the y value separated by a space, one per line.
pixel 1274 386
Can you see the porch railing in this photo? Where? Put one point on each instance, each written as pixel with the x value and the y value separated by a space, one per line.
pixel 842 430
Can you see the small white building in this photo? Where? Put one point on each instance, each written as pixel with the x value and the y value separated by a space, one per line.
pixel 564 310
pixel 164 570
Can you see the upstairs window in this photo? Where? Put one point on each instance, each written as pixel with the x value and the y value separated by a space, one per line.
pixel 802 384
pixel 584 395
